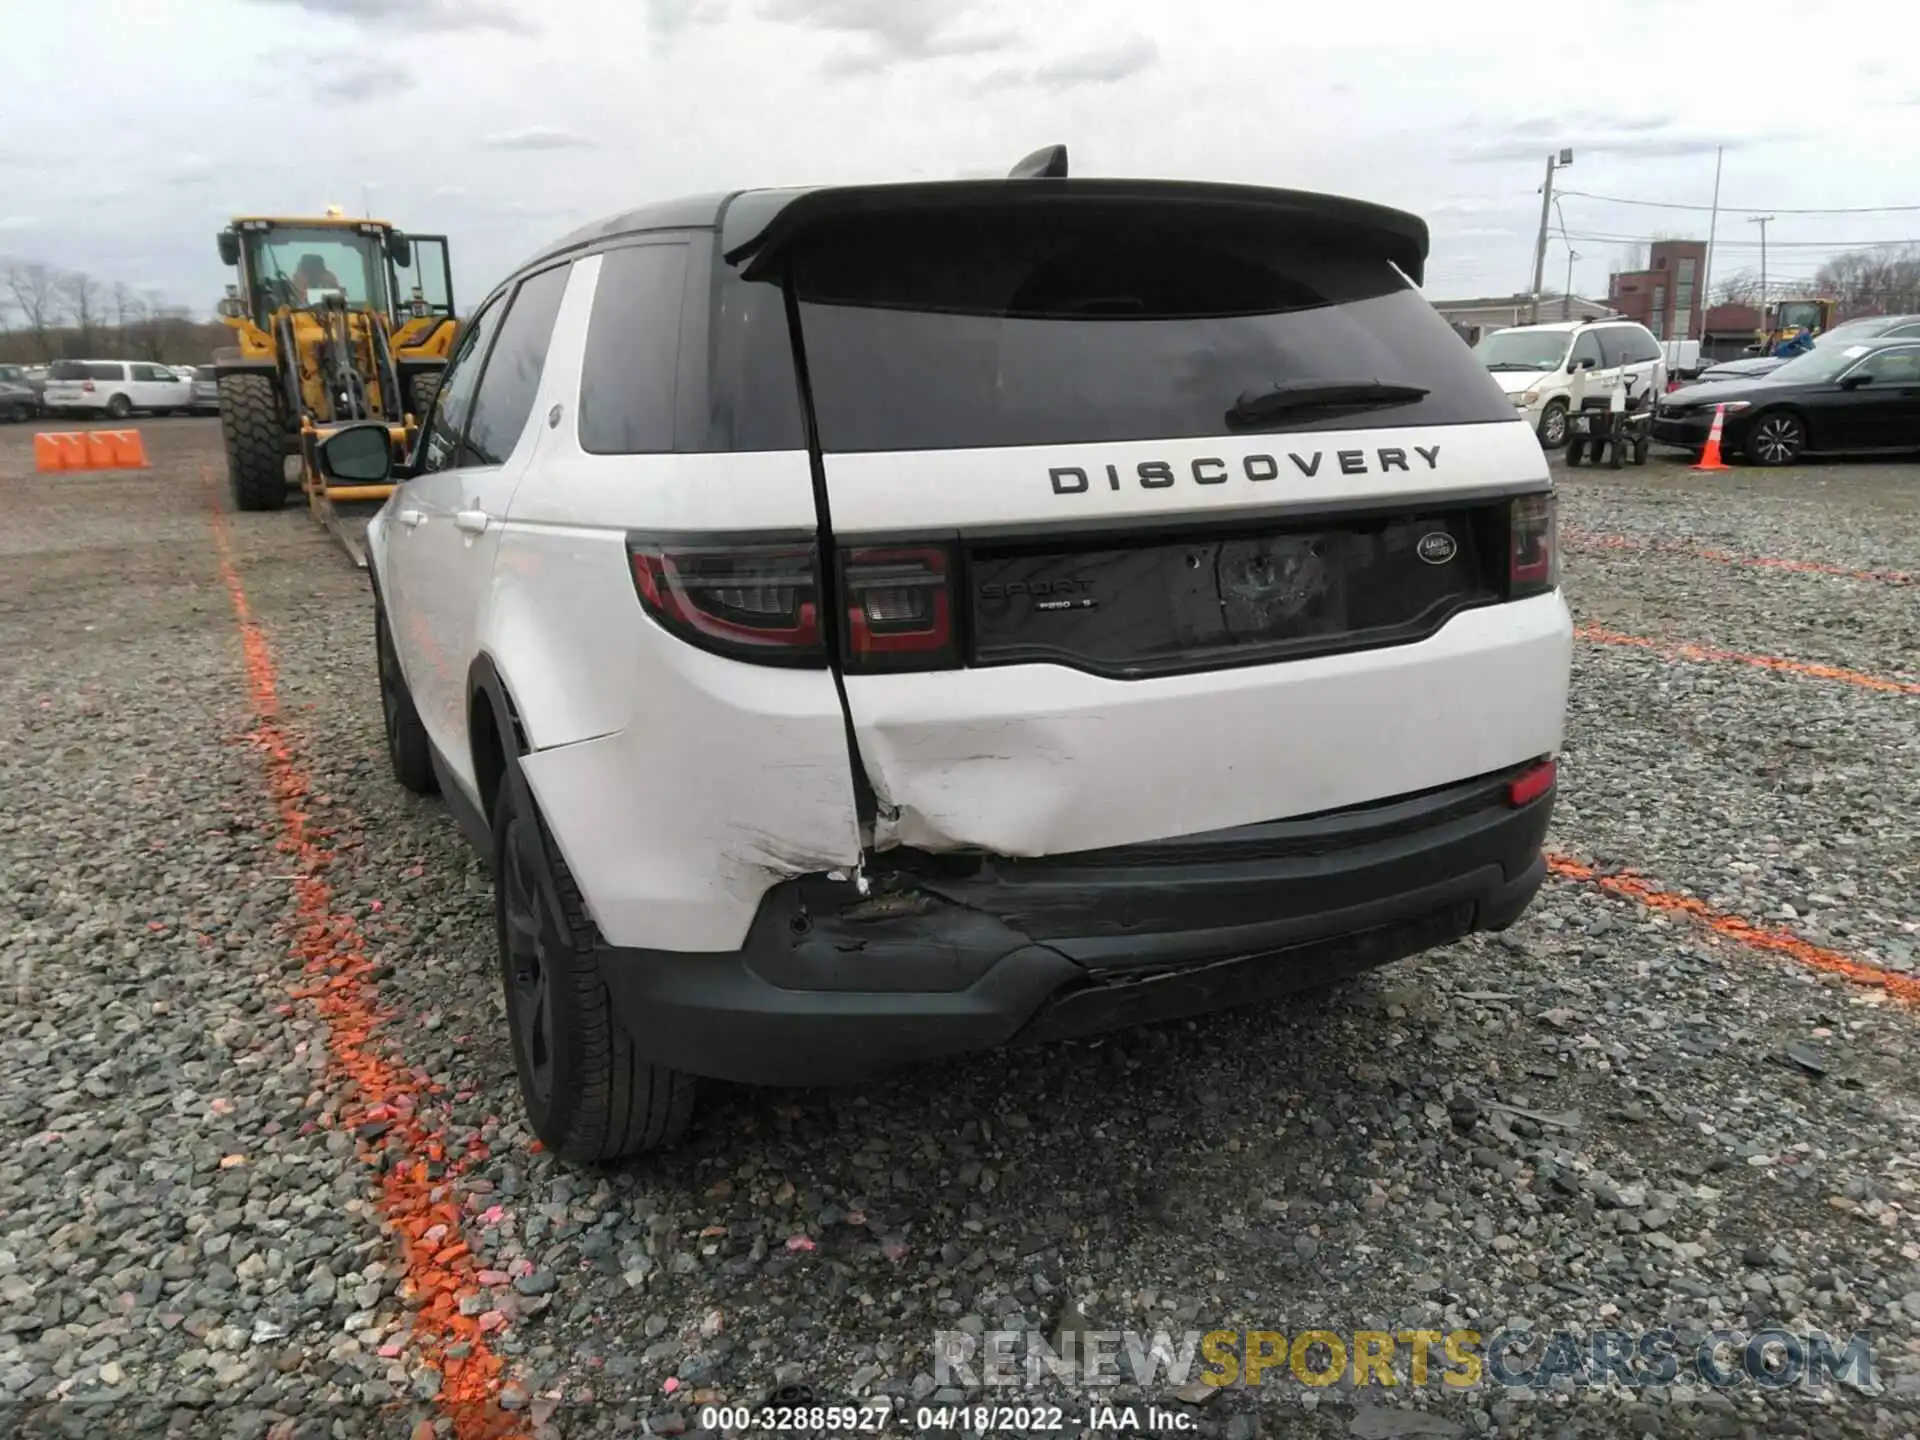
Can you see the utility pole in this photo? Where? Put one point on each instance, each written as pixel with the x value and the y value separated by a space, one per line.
pixel 1762 221
pixel 1554 162
pixel 1706 269
pixel 1566 296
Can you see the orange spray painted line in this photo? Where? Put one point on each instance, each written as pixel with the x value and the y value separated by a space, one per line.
pixel 1629 886
pixel 417 1197
pixel 1576 539
pixel 1678 651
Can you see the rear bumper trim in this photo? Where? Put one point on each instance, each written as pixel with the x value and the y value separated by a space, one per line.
pixel 832 985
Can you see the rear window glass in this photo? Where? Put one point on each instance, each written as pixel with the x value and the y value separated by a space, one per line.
pixel 69 370
pixel 1042 326
pixel 629 376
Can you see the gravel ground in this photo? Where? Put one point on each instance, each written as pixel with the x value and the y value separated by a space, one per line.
pixel 1591 1121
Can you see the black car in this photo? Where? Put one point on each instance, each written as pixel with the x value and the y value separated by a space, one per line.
pixel 14 404
pixel 18 403
pixel 1836 400
pixel 1850 332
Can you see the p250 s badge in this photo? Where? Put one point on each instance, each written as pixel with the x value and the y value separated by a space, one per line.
pixel 1437 547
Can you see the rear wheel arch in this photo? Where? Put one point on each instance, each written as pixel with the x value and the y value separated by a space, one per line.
pixel 494 731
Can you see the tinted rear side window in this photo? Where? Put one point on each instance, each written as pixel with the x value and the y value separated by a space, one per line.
pixel 1038 326
pixel 628 379
pixel 107 372
pixel 511 381
pixel 69 370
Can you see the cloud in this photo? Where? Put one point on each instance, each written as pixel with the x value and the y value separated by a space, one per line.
pixel 430 15
pixel 1542 143
pixel 894 31
pixel 193 170
pixel 355 79
pixel 668 17
pixel 19 222
pixel 537 137
pixel 1103 66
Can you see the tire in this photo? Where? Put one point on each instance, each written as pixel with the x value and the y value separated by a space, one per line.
pixel 1640 449
pixel 1616 449
pixel 1575 449
pixel 19 415
pixel 408 750
pixel 119 407
pixel 1553 425
pixel 588 1095
pixel 1775 438
pixel 421 390
pixel 251 425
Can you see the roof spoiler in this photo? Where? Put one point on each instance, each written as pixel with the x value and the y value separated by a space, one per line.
pixel 758 244
pixel 1046 163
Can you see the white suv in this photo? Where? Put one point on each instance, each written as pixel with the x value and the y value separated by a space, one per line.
pixel 1535 365
pixel 875 623
pixel 115 387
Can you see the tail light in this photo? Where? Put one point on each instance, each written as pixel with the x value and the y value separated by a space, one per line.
pixel 1533 566
pixel 899 608
pixel 754 600
pixel 1529 785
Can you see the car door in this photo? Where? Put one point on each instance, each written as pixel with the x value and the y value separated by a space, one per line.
pixel 1587 358
pixel 1885 414
pixel 419 500
pixel 1616 358
pixel 464 502
pixel 152 388
pixel 111 378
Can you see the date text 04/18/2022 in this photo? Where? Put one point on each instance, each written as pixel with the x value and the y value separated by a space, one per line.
pixel 1030 1419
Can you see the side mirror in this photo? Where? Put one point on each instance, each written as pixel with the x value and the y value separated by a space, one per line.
pixel 1856 380
pixel 229 248
pixel 399 249
pixel 358 455
pixel 1586 364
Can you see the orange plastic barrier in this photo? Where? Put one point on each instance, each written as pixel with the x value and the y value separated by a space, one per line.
pixel 89 450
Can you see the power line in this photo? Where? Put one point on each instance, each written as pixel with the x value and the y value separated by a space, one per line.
pixel 1607 239
pixel 1744 209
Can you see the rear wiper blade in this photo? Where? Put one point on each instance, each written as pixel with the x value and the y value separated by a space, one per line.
pixel 1290 395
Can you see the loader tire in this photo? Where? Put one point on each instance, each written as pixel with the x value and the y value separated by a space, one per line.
pixel 421 390
pixel 251 425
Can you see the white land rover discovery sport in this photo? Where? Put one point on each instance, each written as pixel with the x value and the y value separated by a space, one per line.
pixel 874 623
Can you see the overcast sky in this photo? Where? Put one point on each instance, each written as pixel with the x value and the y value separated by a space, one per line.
pixel 130 131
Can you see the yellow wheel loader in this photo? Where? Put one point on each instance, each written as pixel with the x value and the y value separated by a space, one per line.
pixel 337 321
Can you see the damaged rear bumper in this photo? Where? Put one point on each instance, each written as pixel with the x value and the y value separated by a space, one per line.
pixel 949 954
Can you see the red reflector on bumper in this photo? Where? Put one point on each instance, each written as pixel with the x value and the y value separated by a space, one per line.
pixel 1526 788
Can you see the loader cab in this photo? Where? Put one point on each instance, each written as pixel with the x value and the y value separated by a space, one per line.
pixel 368 263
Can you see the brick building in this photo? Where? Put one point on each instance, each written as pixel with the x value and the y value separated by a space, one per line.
pixel 1665 297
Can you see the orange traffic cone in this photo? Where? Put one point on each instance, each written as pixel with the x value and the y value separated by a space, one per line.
pixel 99 445
pixel 47 454
pixel 1710 457
pixel 129 451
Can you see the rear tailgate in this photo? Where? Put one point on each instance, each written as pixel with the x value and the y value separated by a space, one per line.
pixel 1109 571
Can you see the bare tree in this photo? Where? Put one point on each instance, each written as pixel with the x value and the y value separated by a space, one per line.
pixel 82 293
pixel 123 303
pixel 35 289
pixel 1865 282
pixel 1740 288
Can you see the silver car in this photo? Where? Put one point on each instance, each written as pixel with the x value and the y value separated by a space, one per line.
pixel 206 391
